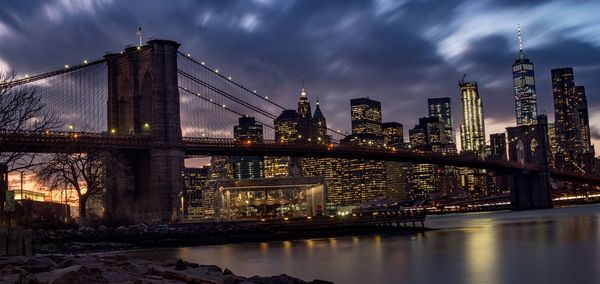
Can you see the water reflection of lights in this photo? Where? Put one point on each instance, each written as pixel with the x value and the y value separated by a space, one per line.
pixel 481 254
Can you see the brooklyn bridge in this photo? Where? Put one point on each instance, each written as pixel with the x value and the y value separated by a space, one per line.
pixel 154 106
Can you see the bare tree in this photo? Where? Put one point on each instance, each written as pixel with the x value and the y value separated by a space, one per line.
pixel 84 172
pixel 21 110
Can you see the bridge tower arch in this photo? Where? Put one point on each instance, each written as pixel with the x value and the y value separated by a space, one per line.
pixel 528 144
pixel 143 100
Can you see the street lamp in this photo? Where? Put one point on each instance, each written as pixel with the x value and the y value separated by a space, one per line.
pixel 22 176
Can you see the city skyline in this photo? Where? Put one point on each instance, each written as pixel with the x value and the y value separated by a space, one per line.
pixel 465 45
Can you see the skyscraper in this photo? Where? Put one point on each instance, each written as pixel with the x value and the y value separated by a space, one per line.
pixel 194 181
pixel 524 88
pixel 498 146
pixel 393 134
pixel 442 108
pixel 286 127
pixel 571 122
pixel 366 116
pixel 305 119
pixel 427 179
pixel 397 179
pixel 248 131
pixel 584 119
pixel 286 131
pixel 565 112
pixel 320 126
pixel 472 130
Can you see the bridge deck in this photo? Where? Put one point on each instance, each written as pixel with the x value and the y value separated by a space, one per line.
pixel 73 142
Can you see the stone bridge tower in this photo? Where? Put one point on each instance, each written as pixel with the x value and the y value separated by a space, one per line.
pixel 528 144
pixel 143 100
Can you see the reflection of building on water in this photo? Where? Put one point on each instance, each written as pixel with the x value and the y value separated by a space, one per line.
pixel 255 199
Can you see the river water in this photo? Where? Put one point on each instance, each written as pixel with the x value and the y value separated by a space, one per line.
pixel 559 245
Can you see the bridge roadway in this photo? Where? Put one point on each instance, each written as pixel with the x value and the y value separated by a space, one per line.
pixel 74 142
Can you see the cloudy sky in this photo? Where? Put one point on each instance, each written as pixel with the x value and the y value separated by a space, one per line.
pixel 399 52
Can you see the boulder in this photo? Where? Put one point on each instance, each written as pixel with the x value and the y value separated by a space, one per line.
pixel 76 274
pixel 181 265
pixel 281 279
pixel 227 272
pixel 39 264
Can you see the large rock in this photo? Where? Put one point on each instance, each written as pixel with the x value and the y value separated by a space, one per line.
pixel 76 274
pixel 40 264
pixel 119 269
pixel 281 279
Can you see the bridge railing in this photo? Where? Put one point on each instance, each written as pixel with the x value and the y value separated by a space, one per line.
pixel 224 143
pixel 28 137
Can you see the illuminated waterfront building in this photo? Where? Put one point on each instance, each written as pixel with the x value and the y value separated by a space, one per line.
pixel 397 179
pixel 221 167
pixel 256 199
pixel 194 181
pixel 276 166
pixel 427 136
pixel 332 170
pixel 524 88
pixel 363 180
pixel 472 130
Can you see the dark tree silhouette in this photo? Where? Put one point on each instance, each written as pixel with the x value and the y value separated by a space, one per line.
pixel 84 172
pixel 20 110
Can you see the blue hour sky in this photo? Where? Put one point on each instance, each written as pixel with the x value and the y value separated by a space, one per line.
pixel 399 52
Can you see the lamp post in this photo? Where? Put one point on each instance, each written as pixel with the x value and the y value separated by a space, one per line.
pixel 22 177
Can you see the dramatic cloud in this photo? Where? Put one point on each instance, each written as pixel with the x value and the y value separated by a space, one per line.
pixel 398 52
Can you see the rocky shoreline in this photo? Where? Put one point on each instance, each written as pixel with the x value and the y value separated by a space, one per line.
pixel 58 269
pixel 86 239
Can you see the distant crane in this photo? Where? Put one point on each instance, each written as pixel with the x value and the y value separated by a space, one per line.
pixel 462 80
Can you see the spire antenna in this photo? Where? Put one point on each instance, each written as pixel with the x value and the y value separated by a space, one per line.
pixel 521 54
pixel 139 34
pixel 302 83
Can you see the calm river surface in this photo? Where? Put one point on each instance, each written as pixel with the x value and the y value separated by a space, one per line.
pixel 543 246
